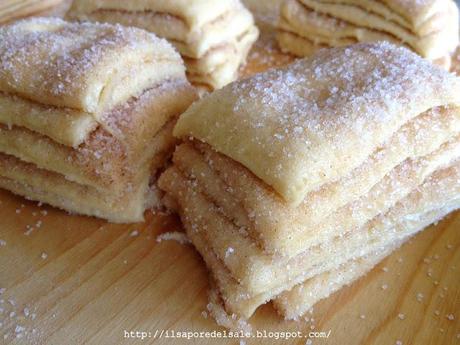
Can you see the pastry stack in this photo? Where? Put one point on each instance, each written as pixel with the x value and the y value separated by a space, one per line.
pixel 213 37
pixel 301 179
pixel 15 9
pixel 86 115
pixel 430 28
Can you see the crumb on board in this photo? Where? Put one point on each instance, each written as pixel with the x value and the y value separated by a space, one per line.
pixel 17 320
pixel 177 236
pixel 134 233
pixel 230 251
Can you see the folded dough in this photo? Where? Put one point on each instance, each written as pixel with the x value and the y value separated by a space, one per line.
pixel 287 230
pixel 202 31
pixel 87 112
pixel 430 28
pixel 105 160
pixel 89 67
pixel 441 190
pixel 255 269
pixel 294 172
pixel 339 105
pixel 294 303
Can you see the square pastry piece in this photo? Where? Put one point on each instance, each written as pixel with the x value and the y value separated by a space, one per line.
pixel 86 114
pixel 287 179
pixel 430 28
pixel 213 37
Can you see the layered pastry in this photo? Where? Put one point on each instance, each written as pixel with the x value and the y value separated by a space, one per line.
pixel 86 115
pixel 295 173
pixel 430 28
pixel 213 37
pixel 296 302
pixel 14 9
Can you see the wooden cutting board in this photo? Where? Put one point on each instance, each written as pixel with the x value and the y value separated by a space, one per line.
pixel 78 280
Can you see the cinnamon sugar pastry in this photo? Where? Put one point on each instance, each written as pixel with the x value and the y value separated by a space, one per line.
pixel 294 172
pixel 294 303
pixel 340 105
pixel 213 37
pixel 86 114
pixel 430 28
pixel 377 233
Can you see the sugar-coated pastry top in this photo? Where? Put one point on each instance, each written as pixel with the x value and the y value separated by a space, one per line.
pixel 310 123
pixel 194 12
pixel 89 67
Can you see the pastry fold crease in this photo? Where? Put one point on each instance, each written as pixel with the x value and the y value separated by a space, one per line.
pixel 294 303
pixel 202 31
pixel 285 179
pixel 86 114
pixel 89 67
pixel 429 28
pixel 338 108
pixel 279 275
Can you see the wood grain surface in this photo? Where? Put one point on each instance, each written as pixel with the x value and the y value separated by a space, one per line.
pixel 66 279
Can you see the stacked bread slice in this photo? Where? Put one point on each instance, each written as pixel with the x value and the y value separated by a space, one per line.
pixel 430 28
pixel 286 178
pixel 86 114
pixel 213 37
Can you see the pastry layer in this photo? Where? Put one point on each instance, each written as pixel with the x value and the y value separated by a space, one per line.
pixel 213 46
pixel 220 65
pixel 440 191
pixel 117 153
pixel 191 42
pixel 89 67
pixel 52 188
pixel 279 122
pixel 292 43
pixel 87 113
pixel 302 31
pixel 257 270
pixel 34 183
pixel 133 197
pixel 436 36
pixel 417 17
pixel 286 230
pixel 240 303
pixel 63 125
pixel 323 29
pixel 294 303
pixel 413 15
pixel 194 14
